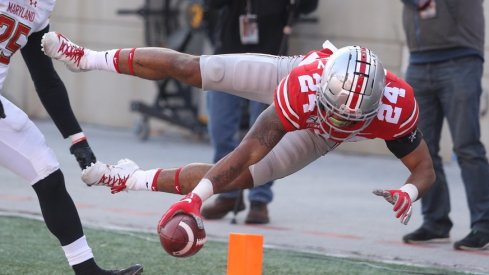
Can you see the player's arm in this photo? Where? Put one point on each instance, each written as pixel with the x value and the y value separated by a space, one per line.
pixel 54 97
pixel 266 132
pixel 412 150
pixel 420 165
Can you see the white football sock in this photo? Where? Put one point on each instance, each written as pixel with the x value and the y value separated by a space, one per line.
pixel 103 61
pixel 141 180
pixel 78 251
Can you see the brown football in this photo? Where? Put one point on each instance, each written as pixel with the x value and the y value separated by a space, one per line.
pixel 183 235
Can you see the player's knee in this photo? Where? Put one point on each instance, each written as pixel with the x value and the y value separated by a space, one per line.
pixel 232 73
pixel 261 173
pixel 50 185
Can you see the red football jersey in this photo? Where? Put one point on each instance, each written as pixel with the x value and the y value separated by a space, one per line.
pixel 295 102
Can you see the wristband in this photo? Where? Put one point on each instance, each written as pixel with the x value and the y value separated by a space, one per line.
pixel 411 190
pixel 204 189
pixel 75 138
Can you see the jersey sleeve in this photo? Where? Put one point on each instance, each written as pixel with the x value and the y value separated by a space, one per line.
pixel 295 96
pixel 284 101
pixel 409 118
pixel 400 110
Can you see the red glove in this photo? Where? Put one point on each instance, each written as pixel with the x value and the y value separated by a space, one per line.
pixel 401 201
pixel 190 204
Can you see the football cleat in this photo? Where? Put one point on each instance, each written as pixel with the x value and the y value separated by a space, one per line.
pixel 114 176
pixel 58 47
pixel 136 269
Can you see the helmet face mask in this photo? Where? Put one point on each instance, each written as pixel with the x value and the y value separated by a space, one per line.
pixel 350 92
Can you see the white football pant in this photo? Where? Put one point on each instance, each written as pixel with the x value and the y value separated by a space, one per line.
pixel 23 148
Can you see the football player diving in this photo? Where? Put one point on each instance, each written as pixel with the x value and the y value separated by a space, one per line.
pixel 317 101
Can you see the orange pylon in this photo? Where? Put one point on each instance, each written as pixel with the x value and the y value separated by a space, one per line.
pixel 245 254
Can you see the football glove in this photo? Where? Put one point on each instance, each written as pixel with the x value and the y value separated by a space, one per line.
pixel 190 204
pixel 401 201
pixel 83 154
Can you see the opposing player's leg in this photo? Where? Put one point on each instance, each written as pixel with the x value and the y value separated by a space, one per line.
pixel 62 220
pixel 25 152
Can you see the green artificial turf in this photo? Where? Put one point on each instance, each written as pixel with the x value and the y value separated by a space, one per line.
pixel 27 247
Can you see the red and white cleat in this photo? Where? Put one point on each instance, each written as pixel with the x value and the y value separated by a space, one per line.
pixel 118 177
pixel 58 47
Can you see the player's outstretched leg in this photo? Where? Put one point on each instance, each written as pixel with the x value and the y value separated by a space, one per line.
pixel 149 63
pixel 126 175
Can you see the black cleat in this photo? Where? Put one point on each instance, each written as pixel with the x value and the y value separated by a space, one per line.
pixel 132 270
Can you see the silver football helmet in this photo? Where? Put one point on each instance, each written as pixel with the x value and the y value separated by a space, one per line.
pixel 350 91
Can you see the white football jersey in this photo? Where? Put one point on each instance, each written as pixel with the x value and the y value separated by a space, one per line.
pixel 18 20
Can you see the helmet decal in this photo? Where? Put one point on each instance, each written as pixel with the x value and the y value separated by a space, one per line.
pixel 360 79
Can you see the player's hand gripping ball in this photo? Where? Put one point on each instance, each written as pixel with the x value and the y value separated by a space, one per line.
pixel 183 235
